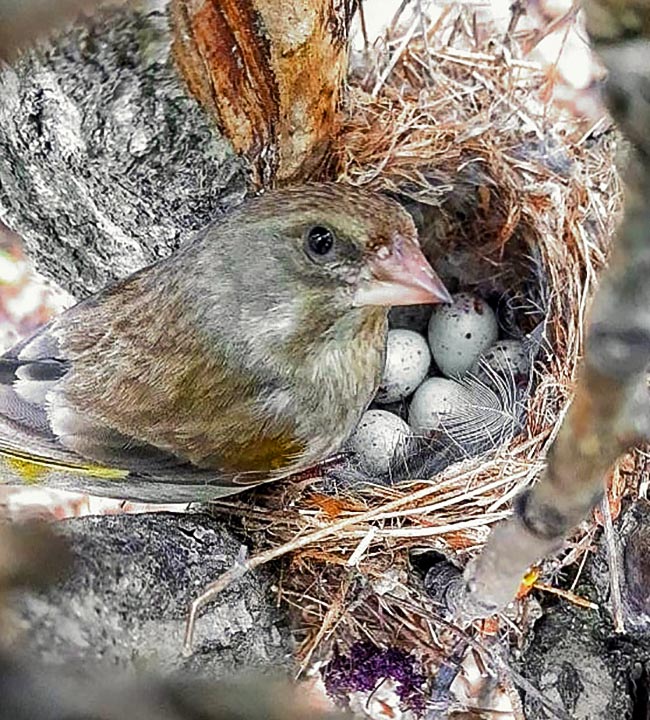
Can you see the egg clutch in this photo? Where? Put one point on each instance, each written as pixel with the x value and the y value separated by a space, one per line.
pixel 450 387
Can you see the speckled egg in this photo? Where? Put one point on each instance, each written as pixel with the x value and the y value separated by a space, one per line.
pixel 505 357
pixel 377 438
pixel 410 317
pixel 434 400
pixel 407 363
pixel 460 332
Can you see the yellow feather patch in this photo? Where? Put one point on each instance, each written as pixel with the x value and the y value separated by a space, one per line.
pixel 31 469
pixel 28 472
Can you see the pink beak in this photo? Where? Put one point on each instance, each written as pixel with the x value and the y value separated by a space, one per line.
pixel 401 275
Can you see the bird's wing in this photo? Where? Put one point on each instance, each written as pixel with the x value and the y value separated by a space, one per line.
pixel 31 375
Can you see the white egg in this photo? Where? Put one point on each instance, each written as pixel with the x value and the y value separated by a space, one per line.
pixel 379 436
pixel 505 357
pixel 460 332
pixel 434 400
pixel 410 317
pixel 407 363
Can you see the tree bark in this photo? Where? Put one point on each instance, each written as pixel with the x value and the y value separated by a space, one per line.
pixel 270 74
pixel 575 657
pixel 126 134
pixel 120 137
pixel 106 162
pixel 124 602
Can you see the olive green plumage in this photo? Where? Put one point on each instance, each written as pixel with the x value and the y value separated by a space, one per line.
pixel 248 355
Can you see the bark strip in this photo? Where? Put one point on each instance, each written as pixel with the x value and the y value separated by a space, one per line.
pixel 270 74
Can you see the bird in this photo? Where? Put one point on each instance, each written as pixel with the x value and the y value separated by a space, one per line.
pixel 246 356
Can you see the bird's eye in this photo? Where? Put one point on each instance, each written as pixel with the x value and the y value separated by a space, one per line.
pixel 319 242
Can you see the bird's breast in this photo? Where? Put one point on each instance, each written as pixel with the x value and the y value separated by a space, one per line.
pixel 343 377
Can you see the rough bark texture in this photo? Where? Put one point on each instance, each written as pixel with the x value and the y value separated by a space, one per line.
pixel 575 658
pixel 574 664
pixel 270 73
pixel 106 162
pixel 124 604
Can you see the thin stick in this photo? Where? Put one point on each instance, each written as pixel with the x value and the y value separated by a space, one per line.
pixel 501 666
pixel 425 39
pixel 521 682
pixel 395 58
pixel 614 567
pixel 567 595
pixel 362 547
pixel 332 616
pixel 364 29
pixel 506 679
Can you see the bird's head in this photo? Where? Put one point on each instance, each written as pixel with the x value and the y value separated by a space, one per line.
pixel 350 246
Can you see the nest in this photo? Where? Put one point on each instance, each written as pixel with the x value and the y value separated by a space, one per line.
pixel 455 120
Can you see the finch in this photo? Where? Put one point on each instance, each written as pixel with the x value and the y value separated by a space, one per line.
pixel 247 356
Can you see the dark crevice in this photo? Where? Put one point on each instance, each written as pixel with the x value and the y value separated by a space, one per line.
pixel 640 695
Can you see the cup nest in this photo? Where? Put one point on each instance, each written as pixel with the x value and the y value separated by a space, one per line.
pixel 517 199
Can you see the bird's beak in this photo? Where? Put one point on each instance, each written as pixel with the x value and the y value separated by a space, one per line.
pixel 400 275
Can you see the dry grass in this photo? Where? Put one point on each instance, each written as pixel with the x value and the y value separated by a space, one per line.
pixel 529 193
